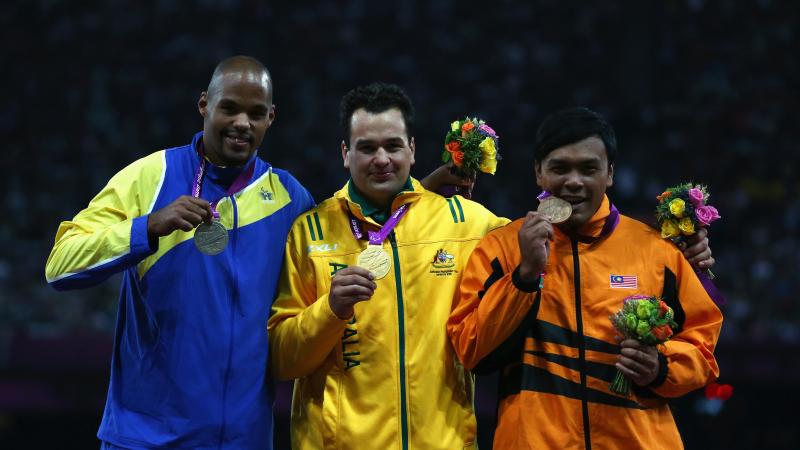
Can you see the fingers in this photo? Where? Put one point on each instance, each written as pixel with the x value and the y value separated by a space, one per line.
pixel 198 206
pixel 537 225
pixel 353 284
pixel 701 234
pixel 639 362
pixel 699 254
pixel 349 286
pixel 355 270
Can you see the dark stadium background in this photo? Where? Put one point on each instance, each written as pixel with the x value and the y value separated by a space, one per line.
pixel 695 89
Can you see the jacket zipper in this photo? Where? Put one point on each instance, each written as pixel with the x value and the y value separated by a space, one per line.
pixel 234 302
pixel 581 343
pixel 402 339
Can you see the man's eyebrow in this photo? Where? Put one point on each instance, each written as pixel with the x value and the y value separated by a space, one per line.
pixel 391 140
pixel 581 161
pixel 363 141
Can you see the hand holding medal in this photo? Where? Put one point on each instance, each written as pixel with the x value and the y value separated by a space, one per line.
pixel 349 286
pixel 184 213
pixel 211 237
pixel 536 233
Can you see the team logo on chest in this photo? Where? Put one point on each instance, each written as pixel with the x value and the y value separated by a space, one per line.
pixel 267 196
pixel 443 263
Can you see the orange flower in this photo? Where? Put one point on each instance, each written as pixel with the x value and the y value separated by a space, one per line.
pixel 662 333
pixel 458 158
pixel 662 307
pixel 663 196
pixel 466 128
pixel 453 146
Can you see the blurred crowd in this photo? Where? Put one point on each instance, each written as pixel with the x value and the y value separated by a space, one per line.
pixel 696 90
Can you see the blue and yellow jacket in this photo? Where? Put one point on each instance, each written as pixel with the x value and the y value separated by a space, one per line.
pixel 190 349
pixel 388 378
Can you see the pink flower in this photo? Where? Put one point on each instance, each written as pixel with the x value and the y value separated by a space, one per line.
pixel 706 214
pixel 486 130
pixel 696 196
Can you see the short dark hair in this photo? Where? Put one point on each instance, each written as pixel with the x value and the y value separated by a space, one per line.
pixel 239 63
pixel 572 125
pixel 376 98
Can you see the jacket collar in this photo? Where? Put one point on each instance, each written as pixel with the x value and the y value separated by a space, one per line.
pixel 364 211
pixel 602 223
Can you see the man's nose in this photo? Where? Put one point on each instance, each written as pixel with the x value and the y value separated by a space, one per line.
pixel 574 181
pixel 241 121
pixel 381 157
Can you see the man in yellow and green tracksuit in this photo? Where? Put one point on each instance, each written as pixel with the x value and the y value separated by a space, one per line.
pixel 535 301
pixel 370 356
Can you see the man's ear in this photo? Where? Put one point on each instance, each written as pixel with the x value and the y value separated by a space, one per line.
pixel 202 104
pixel 412 145
pixel 344 155
pixel 271 115
pixel 537 168
pixel 610 180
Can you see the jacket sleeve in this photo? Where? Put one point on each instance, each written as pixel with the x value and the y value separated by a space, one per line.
pixel 303 330
pixel 110 235
pixel 690 353
pixel 490 304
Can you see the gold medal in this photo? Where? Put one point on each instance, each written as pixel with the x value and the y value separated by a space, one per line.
pixel 375 259
pixel 555 209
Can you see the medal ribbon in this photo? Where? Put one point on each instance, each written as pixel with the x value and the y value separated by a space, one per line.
pixel 377 237
pixel 238 184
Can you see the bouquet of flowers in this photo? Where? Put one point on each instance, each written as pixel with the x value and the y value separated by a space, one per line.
pixel 682 209
pixel 646 319
pixel 472 146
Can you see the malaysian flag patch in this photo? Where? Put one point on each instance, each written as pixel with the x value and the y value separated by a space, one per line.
pixel 624 281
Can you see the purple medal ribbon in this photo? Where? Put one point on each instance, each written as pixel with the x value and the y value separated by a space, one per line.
pixel 377 237
pixel 238 184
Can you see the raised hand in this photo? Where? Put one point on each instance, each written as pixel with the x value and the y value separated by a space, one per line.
pixel 698 252
pixel 185 213
pixel 444 176
pixel 349 286
pixel 534 245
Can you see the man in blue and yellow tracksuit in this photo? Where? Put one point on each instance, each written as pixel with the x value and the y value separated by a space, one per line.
pixel 370 355
pixel 190 350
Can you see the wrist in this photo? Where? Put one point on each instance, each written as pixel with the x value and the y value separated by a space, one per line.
pixel 663 371
pixel 527 283
pixel 342 313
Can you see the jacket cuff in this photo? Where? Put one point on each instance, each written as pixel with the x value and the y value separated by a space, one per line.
pixel 525 286
pixel 663 371
pixel 140 245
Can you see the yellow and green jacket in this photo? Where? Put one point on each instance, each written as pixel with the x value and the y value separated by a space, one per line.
pixel 387 378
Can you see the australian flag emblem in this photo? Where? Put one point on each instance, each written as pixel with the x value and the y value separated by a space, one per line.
pixel 624 281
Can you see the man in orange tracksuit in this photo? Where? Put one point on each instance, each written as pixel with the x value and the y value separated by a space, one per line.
pixel 535 301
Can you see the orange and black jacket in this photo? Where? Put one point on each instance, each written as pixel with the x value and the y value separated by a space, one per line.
pixel 555 346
